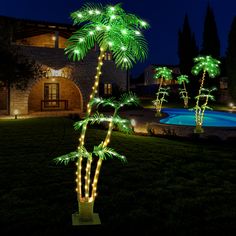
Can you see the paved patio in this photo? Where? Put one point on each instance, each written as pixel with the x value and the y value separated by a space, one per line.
pixel 146 122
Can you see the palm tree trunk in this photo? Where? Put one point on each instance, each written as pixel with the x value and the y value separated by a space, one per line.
pixel 84 128
pixel 186 96
pixel 161 82
pixel 202 82
pixel 99 163
pixel 87 179
pixel 158 104
pixel 198 112
pixel 203 110
pixel 184 86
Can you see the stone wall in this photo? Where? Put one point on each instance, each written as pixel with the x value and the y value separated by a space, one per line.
pixel 67 91
pixel 18 101
pixel 82 74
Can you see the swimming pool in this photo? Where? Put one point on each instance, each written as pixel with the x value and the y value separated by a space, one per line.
pixel 186 117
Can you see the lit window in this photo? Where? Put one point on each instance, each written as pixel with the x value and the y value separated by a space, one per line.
pixel 51 94
pixel 108 89
pixel 108 56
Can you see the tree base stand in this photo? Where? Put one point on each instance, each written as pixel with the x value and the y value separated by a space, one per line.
pixel 78 220
pixel 198 130
pixel 85 216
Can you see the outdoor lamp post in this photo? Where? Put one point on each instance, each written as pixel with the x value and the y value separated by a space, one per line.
pixel 16 113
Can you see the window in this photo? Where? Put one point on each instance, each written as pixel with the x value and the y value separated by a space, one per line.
pixel 108 89
pixel 108 56
pixel 51 94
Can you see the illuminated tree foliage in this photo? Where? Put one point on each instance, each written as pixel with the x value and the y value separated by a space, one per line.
pixel 114 30
pixel 209 65
pixel 102 151
pixel 205 96
pixel 161 73
pixel 183 79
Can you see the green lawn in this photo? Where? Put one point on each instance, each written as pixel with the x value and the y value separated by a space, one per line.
pixel 168 187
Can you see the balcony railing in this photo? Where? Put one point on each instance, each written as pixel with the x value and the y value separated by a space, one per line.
pixel 54 104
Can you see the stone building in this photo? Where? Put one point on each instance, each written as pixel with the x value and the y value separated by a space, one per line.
pixel 147 86
pixel 66 85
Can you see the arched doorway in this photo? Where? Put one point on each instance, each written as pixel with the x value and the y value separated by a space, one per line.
pixel 55 94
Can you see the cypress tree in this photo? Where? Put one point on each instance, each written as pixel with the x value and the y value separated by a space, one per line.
pixel 187 50
pixel 231 60
pixel 211 42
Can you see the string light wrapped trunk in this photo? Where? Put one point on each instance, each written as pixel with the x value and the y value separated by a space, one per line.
pixel 209 65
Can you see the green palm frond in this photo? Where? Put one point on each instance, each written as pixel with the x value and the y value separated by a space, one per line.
pixel 95 118
pixel 106 152
pixel 207 64
pixel 72 156
pixel 79 44
pixel 182 78
pixel 112 29
pixel 98 118
pixel 125 127
pixel 196 107
pixel 206 90
pixel 87 13
pixel 104 102
pixel 128 99
pixel 206 107
pixel 156 102
pixel 122 125
pixel 163 72
pixel 163 100
pixel 65 159
pixel 79 124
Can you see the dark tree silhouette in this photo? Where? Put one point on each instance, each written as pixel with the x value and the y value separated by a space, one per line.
pixel 187 50
pixel 231 60
pixel 210 41
pixel 15 67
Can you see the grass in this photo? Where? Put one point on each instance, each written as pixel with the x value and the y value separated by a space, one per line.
pixel 168 187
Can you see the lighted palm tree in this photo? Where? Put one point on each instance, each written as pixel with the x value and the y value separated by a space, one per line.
pixel 209 65
pixel 183 79
pixel 114 30
pixel 162 73
pixel 102 151
pixel 205 95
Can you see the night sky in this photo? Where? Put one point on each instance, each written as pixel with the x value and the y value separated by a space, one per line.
pixel 164 16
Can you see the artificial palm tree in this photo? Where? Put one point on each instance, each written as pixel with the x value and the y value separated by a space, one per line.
pixel 162 73
pixel 183 79
pixel 114 30
pixel 206 95
pixel 209 65
pixel 102 151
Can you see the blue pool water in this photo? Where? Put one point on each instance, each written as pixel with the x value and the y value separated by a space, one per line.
pixel 186 117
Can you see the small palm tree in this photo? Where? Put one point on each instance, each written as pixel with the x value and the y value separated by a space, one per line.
pixel 162 73
pixel 102 151
pixel 209 65
pixel 114 30
pixel 183 79
pixel 205 95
